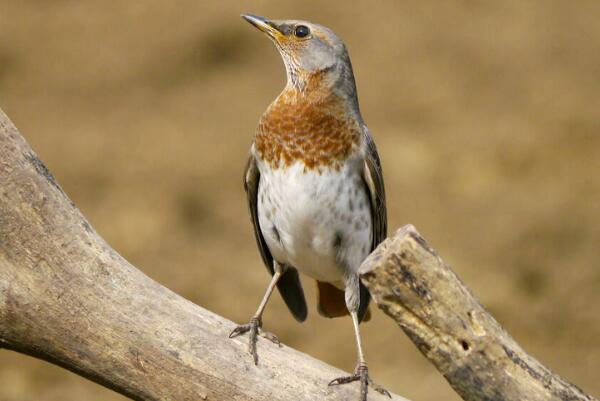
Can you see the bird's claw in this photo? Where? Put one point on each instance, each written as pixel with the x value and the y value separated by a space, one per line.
pixel 361 373
pixel 379 389
pixel 239 330
pixel 271 337
pixel 254 327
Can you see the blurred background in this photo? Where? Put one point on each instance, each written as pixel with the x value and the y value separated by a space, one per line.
pixel 487 119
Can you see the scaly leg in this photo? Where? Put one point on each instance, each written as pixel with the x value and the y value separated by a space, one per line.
pixel 255 324
pixel 361 372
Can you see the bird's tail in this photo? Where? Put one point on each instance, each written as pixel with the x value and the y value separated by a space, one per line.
pixel 331 302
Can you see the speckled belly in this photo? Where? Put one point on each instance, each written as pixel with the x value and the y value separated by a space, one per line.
pixel 319 223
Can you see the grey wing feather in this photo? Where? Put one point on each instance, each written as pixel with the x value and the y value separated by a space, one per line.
pixel 373 179
pixel 373 176
pixel 251 180
pixel 289 284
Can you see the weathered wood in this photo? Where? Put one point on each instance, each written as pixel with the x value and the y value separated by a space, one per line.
pixel 412 284
pixel 67 297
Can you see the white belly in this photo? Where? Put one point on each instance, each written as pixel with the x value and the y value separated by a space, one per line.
pixel 319 223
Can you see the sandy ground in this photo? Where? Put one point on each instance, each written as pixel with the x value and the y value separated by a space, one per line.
pixel 487 119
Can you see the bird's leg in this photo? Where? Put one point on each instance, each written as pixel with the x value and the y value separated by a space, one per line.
pixel 255 324
pixel 361 372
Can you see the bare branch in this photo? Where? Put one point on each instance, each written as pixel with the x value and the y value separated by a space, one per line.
pixel 67 297
pixel 413 286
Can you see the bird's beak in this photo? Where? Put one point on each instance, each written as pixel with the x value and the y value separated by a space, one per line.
pixel 264 25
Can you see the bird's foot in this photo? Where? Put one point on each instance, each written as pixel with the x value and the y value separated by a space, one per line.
pixel 361 373
pixel 255 329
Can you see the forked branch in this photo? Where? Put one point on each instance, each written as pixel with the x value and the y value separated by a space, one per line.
pixel 67 297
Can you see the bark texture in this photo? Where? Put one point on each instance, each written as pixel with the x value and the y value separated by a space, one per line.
pixel 480 360
pixel 67 297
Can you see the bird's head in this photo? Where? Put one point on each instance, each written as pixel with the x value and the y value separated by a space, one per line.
pixel 309 49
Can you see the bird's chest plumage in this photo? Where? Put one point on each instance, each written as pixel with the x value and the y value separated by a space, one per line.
pixel 311 127
pixel 313 207
pixel 316 221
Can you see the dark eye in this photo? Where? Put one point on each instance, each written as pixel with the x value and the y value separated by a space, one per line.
pixel 301 31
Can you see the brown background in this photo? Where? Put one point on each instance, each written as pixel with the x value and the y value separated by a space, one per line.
pixel 487 118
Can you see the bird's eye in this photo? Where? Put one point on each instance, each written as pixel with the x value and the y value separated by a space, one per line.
pixel 301 31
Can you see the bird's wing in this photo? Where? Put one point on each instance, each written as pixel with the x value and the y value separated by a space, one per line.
pixel 289 284
pixel 373 179
pixel 251 180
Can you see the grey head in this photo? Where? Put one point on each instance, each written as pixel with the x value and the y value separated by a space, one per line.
pixel 309 49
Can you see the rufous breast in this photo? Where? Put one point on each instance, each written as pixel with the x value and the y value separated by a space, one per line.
pixel 312 125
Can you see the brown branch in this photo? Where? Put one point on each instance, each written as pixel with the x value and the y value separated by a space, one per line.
pixel 413 286
pixel 67 297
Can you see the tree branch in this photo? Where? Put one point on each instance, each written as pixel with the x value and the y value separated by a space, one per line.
pixel 413 286
pixel 67 297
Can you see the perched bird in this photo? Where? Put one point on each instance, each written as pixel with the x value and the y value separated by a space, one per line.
pixel 314 183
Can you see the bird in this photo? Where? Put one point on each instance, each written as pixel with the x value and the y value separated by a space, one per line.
pixel 314 185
